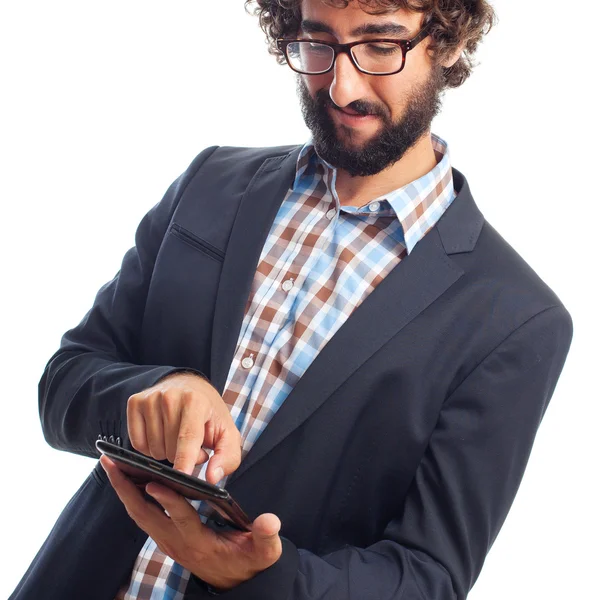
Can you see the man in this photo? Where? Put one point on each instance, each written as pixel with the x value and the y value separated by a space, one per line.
pixel 363 357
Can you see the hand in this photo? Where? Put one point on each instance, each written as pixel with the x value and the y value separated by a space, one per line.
pixel 179 415
pixel 222 560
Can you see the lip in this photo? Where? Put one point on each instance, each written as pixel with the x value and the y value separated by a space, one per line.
pixel 350 119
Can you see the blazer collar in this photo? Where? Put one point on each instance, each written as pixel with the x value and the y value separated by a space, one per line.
pixel 459 227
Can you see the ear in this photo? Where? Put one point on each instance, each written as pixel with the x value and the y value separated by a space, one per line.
pixel 451 60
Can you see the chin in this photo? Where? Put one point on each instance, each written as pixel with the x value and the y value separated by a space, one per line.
pixel 349 136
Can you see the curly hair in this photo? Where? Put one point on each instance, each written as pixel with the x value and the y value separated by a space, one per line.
pixel 451 23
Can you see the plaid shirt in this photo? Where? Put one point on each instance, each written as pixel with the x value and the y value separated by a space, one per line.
pixel 319 262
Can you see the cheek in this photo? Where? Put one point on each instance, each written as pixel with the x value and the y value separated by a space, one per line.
pixel 314 83
pixel 391 94
pixel 395 92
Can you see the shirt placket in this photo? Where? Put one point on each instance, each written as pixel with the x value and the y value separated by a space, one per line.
pixel 280 297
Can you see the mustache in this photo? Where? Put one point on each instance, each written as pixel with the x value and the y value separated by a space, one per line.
pixel 323 101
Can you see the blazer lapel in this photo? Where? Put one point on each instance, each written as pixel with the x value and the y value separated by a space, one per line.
pixel 417 281
pixel 257 211
pixel 405 292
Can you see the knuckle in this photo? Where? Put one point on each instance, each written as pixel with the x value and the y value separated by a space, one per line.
pixel 170 394
pixel 181 522
pixel 150 396
pixel 183 451
pixel 186 434
pixel 133 402
pixel 169 403
pixel 188 398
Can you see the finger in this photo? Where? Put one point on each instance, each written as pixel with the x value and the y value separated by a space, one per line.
pixel 190 436
pixel 154 427
pixel 183 515
pixel 227 455
pixel 171 416
pixel 148 517
pixel 136 426
pixel 265 535
pixel 203 456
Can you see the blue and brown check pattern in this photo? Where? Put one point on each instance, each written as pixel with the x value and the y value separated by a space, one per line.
pixel 320 261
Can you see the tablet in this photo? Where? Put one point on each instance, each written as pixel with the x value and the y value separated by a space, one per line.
pixel 218 505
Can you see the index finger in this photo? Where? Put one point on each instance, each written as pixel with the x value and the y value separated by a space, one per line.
pixel 189 440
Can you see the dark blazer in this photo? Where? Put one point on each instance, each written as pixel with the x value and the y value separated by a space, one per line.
pixel 392 463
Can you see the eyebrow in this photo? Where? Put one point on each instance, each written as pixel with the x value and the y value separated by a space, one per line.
pixel 309 26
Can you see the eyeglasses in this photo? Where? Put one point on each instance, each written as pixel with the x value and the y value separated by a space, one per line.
pixel 373 57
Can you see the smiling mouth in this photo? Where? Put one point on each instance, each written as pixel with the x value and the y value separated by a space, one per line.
pixel 348 116
pixel 350 111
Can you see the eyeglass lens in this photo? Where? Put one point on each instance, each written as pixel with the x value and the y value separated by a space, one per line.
pixel 313 58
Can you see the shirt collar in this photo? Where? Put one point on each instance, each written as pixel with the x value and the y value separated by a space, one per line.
pixel 417 205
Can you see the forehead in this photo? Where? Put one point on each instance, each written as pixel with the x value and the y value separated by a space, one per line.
pixel 344 21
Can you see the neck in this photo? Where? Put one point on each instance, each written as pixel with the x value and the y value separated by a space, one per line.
pixel 357 191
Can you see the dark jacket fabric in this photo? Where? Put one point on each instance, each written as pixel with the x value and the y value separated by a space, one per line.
pixel 392 463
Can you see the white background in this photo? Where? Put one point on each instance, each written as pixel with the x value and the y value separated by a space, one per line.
pixel 103 104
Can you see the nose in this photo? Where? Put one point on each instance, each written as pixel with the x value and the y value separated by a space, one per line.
pixel 348 84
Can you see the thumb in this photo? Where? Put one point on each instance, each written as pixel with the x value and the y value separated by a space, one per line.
pixel 227 455
pixel 265 534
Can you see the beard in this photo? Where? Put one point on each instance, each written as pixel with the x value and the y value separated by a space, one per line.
pixel 387 146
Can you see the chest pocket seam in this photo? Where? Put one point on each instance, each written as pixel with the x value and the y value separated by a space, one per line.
pixel 196 242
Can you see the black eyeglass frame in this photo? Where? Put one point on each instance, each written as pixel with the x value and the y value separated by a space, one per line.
pixel 406 45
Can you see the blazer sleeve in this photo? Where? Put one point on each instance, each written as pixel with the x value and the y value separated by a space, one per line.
pixel 461 492
pixel 84 389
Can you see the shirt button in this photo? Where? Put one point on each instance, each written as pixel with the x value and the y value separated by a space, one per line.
pixel 247 363
pixel 288 285
pixel 331 213
pixel 374 206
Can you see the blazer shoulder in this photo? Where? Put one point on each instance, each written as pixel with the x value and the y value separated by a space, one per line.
pixel 502 264
pixel 491 264
pixel 246 159
pixel 493 269
pixel 242 153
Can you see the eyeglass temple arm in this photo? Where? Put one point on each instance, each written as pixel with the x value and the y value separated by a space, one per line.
pixel 418 38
